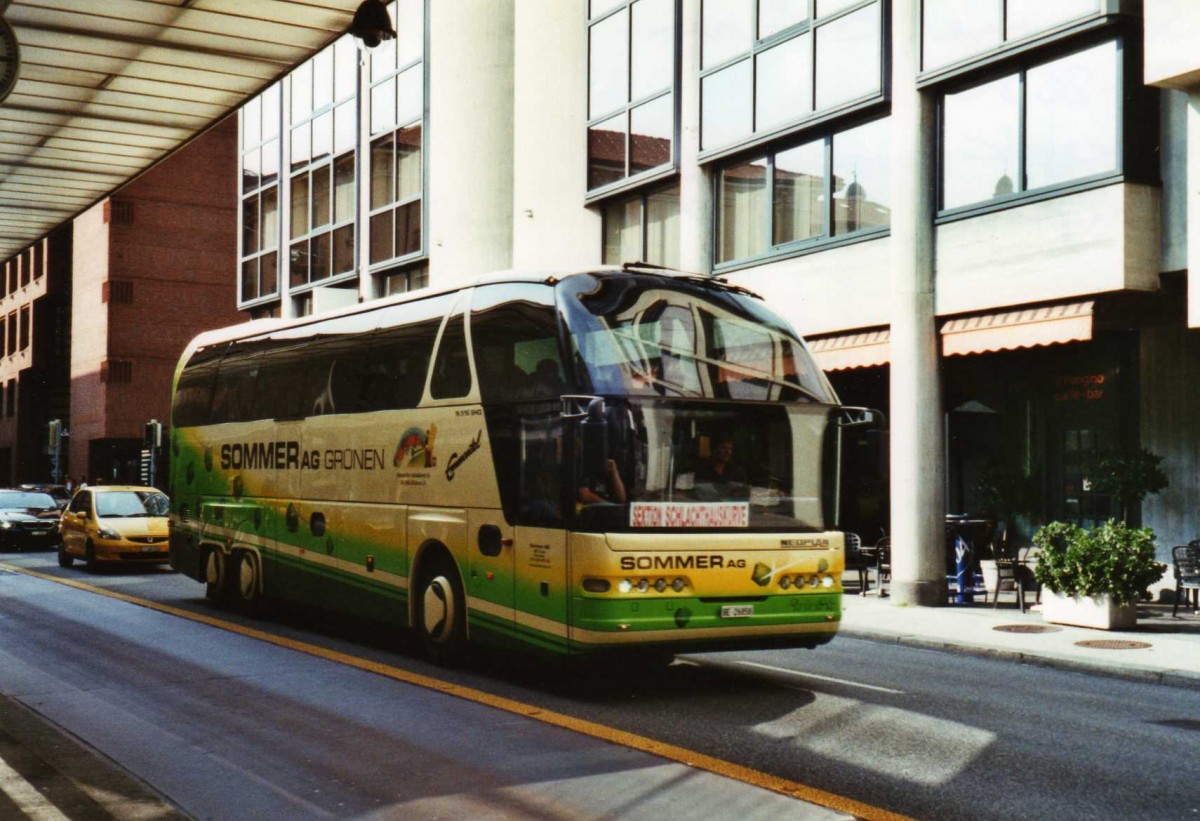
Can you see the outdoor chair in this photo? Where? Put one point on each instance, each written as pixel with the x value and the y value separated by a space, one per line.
pixel 1187 575
pixel 883 563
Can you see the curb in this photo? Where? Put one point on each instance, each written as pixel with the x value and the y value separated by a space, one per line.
pixel 1166 676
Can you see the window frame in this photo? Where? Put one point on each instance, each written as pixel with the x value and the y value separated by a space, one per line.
pixel 650 175
pixel 266 245
pixel 817 118
pixel 642 196
pixel 801 247
pixel 1133 106
pixel 381 269
pixel 1111 12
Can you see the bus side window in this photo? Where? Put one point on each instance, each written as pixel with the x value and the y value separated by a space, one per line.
pixel 451 370
pixel 193 396
pixel 514 336
pixel 233 395
pixel 397 361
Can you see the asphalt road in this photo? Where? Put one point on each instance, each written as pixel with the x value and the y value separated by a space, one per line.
pixel 926 734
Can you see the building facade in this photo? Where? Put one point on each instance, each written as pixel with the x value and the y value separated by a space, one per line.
pixel 149 270
pixel 975 211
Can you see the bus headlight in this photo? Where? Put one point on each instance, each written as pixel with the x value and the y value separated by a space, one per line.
pixel 597 585
pixel 785 583
pixel 660 585
pixel 677 585
pixel 643 585
pixel 813 581
pixel 827 581
pixel 624 586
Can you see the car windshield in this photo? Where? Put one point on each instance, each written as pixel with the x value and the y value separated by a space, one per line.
pixel 24 500
pixel 131 503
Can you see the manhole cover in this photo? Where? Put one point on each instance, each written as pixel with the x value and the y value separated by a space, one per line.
pixel 1113 644
pixel 1026 628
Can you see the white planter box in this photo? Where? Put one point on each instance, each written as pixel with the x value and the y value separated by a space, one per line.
pixel 1085 611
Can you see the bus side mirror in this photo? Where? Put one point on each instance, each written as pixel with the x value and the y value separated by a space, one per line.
pixel 594 433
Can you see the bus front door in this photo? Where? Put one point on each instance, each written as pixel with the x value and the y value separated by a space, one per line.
pixel 489 582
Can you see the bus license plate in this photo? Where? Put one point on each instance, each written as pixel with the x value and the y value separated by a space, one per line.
pixel 737 611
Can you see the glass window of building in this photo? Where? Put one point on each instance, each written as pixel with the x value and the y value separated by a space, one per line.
pixel 804 194
pixel 643 228
pixel 769 65
pixel 1043 126
pixel 260 158
pixel 396 182
pixel 956 30
pixel 631 89
pixel 323 131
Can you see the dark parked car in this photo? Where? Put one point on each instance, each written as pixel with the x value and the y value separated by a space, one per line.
pixel 28 519
pixel 61 495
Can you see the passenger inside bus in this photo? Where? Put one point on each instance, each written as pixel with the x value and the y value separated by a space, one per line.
pixel 605 488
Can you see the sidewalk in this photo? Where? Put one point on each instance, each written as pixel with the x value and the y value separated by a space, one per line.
pixel 1162 649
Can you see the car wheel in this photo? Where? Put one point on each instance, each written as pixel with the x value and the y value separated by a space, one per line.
pixel 247 581
pixel 441 614
pixel 65 559
pixel 89 559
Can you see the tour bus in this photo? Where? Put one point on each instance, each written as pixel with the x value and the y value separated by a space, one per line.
pixel 529 460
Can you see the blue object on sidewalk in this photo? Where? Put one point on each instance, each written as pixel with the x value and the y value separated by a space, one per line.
pixel 963 577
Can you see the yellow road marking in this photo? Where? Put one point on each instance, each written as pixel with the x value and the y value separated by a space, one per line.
pixel 671 752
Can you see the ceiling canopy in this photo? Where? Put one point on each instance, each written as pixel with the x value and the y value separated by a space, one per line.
pixel 108 87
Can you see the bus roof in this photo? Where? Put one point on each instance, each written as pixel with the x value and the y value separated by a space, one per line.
pixel 255 327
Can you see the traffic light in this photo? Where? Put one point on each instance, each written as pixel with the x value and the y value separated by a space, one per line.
pixel 53 431
pixel 152 437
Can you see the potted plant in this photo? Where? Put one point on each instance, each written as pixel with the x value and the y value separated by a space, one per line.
pixel 1094 578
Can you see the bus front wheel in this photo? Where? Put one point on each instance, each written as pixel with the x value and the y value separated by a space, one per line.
pixel 441 613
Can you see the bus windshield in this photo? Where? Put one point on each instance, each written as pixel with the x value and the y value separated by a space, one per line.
pixel 650 336
pixel 708 465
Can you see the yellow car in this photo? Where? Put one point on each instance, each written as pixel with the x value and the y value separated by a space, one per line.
pixel 114 523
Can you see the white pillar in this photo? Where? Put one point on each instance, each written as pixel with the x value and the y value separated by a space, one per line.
pixel 470 144
pixel 552 230
pixel 917 466
pixel 1193 207
pixel 695 182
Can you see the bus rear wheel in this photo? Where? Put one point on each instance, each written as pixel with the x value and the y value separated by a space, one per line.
pixel 441 613
pixel 216 575
pixel 247 584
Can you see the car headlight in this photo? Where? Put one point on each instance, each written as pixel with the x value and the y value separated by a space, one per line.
pixel 7 525
pixel 108 533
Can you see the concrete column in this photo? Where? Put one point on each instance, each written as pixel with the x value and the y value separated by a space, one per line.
pixel 470 143
pixel 1193 207
pixel 695 182
pixel 917 466
pixel 552 230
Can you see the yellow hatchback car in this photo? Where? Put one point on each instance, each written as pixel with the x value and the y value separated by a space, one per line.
pixel 115 523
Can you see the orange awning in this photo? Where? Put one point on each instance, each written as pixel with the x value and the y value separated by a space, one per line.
pixel 863 349
pixel 1025 328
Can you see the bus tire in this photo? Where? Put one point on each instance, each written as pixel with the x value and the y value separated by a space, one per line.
pixel 246 581
pixel 65 559
pixel 441 612
pixel 216 575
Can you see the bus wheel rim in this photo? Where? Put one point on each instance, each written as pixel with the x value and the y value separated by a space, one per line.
pixel 213 569
pixel 438 609
pixel 247 577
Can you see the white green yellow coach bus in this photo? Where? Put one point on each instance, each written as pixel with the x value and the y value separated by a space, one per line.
pixel 615 459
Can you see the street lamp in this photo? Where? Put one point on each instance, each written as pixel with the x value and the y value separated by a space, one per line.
pixel 372 24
